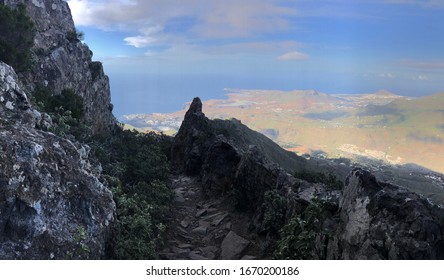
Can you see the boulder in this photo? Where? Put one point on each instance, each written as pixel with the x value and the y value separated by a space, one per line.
pixel 233 246
pixel 382 221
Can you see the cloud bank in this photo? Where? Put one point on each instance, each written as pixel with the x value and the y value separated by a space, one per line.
pixel 201 19
pixel 295 55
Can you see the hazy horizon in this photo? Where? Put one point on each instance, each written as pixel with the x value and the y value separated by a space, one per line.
pixel 161 54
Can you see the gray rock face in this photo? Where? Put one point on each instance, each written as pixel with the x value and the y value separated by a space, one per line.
pixel 64 62
pixel 201 148
pixel 381 221
pixel 13 99
pixel 14 102
pixel 366 220
pixel 190 142
pixel 52 205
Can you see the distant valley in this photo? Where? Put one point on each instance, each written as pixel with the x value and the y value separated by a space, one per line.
pixel 380 126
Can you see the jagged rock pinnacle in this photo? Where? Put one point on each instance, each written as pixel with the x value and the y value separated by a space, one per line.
pixel 195 107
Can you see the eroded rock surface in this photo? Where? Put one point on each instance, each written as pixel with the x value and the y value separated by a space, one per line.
pixel 52 204
pixel 381 221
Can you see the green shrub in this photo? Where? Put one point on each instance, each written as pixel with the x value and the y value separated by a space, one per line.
pixel 68 100
pixel 274 213
pixel 65 124
pixel 75 35
pixel 327 179
pixel 80 249
pixel 16 37
pixel 137 169
pixel 302 238
pixel 66 111
pixel 147 164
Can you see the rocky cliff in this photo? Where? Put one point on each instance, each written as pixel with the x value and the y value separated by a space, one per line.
pixel 52 203
pixel 382 221
pixel 366 219
pixel 62 61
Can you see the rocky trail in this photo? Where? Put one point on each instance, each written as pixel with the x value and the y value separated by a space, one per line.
pixel 203 228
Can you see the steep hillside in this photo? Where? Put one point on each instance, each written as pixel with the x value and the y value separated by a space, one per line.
pixel 53 202
pixel 62 61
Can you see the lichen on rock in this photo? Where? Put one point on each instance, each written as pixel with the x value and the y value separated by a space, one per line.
pixel 49 191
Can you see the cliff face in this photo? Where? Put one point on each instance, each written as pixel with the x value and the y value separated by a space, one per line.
pixel 382 221
pixel 64 62
pixel 366 219
pixel 52 203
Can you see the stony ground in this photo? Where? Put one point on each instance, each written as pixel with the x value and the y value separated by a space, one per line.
pixel 205 228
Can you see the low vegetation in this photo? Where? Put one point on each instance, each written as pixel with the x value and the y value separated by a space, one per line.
pixel 302 238
pixel 66 111
pixel 75 35
pixel 16 37
pixel 135 166
pixel 328 179
pixel 274 211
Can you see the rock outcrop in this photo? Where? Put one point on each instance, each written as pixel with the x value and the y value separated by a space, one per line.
pixel 52 204
pixel 64 62
pixel 382 221
pixel 366 219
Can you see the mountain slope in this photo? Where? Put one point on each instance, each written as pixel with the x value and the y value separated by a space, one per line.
pixel 367 219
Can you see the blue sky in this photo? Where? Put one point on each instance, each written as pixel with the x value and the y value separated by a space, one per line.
pixel 160 54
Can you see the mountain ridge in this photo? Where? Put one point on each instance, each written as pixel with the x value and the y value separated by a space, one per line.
pixel 364 219
pixel 383 122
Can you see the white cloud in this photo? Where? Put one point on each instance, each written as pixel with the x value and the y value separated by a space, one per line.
pixel 387 75
pixel 147 37
pixel 173 24
pixel 423 78
pixel 233 18
pixel 139 41
pixel 294 55
pixel 213 19
pixel 254 47
pixel 426 65
pixel 423 3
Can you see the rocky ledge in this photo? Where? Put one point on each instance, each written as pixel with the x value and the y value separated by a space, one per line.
pixel 366 219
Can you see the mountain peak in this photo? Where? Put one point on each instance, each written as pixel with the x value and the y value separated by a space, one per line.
pixel 196 106
pixel 195 109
